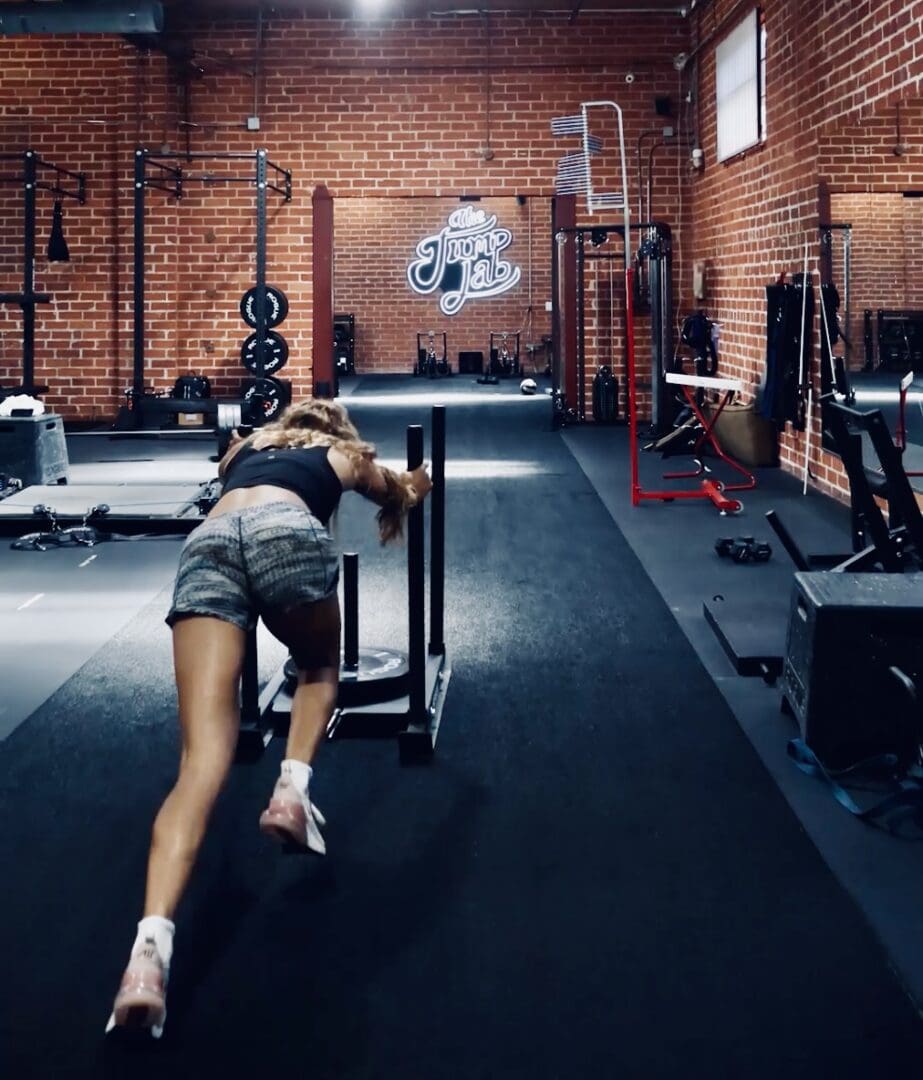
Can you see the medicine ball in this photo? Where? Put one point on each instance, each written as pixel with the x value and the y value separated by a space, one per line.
pixel 528 386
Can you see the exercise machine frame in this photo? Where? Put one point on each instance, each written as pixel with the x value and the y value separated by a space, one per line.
pixel 27 299
pixel 574 176
pixel 657 246
pixel 753 635
pixel 169 176
pixel 494 364
pixel 715 490
pixel 886 320
pixel 424 366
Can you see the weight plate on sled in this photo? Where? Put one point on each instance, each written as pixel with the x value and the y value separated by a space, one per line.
pixel 382 675
pixel 272 396
pixel 276 306
pixel 275 353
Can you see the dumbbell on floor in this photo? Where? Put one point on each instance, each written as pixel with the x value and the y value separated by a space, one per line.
pixel 743 549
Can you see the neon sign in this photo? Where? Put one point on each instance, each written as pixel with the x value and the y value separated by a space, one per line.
pixel 463 259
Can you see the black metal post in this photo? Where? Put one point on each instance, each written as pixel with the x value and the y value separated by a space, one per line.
pixel 660 421
pixel 580 403
pixel 437 536
pixel 416 588
pixel 788 542
pixel 137 380
pixel 351 611
pixel 28 273
pixel 250 684
pixel 666 322
pixel 260 306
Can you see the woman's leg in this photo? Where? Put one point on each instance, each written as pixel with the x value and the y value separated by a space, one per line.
pixel 208 656
pixel 311 632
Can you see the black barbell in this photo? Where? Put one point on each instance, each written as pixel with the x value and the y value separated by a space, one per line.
pixel 230 419
pixel 263 401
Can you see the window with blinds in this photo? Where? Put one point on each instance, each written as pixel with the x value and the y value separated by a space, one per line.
pixel 738 86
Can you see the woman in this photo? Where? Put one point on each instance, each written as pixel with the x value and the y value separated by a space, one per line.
pixel 264 551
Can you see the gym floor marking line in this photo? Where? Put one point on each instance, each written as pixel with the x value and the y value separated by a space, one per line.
pixel 86 562
pixel 32 600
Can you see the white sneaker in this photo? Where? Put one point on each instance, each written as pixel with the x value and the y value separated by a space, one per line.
pixel 141 1002
pixel 293 819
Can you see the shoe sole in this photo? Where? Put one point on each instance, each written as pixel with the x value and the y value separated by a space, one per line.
pixel 282 829
pixel 142 1011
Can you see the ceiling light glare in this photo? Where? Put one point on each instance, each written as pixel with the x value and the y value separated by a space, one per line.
pixel 369 9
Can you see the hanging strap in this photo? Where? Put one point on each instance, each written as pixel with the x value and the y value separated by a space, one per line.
pixel 906 802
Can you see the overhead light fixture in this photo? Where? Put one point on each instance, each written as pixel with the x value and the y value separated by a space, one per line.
pixel 86 17
pixel 370 8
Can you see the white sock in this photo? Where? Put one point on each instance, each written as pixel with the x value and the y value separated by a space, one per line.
pixel 161 930
pixel 300 773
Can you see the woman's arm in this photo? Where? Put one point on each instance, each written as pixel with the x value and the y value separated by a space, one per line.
pixel 394 493
pixel 235 444
pixel 377 483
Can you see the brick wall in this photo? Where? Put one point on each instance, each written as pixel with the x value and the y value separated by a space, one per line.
pixel 830 66
pixel 886 265
pixel 399 110
pixel 375 239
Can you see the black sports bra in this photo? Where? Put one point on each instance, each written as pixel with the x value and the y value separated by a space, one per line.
pixel 303 469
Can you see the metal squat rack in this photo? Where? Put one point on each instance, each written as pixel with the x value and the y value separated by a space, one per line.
pixel 170 177
pixel 31 183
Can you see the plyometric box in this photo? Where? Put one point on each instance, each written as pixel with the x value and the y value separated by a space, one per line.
pixel 845 632
pixel 33 449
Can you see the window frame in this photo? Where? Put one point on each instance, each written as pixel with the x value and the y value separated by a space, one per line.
pixel 752 29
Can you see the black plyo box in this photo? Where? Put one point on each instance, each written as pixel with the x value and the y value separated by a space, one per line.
pixel 33 449
pixel 845 631
pixel 470 363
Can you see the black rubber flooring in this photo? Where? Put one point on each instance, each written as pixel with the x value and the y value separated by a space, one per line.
pixel 595 878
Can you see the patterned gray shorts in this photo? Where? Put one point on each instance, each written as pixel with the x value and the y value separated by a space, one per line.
pixel 271 557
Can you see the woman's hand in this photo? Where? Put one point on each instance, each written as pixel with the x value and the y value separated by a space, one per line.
pixel 420 481
pixel 235 442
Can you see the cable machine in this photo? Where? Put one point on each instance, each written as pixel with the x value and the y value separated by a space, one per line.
pixel 31 180
pixel 170 176
pixel 657 247
pixel 574 177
